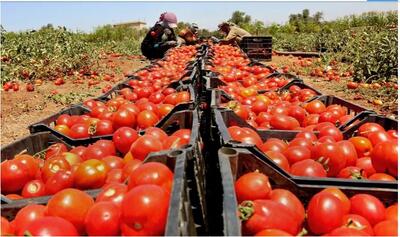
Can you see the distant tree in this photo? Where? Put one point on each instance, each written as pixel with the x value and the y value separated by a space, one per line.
pixel 240 18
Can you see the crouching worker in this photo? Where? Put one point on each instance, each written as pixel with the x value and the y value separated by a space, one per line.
pixel 234 34
pixel 160 37
pixel 188 36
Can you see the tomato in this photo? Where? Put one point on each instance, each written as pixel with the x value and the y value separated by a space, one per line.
pixel 72 205
pixel 14 196
pixel 184 134
pixel 156 132
pixel 55 150
pixel 283 122
pixel 341 196
pixel 107 146
pixel 391 212
pixel 53 165
pixel 349 151
pixel 315 107
pixel 144 210
pixel 368 207
pixel 386 228
pixel 147 119
pixel 302 142
pixel 378 137
pixel 309 168
pixel 384 157
pixel 151 173
pixel 324 213
pixel 289 200
pixel 113 192
pixel 296 153
pixel 26 216
pixel 51 226
pixel 351 172
pixel 274 144
pixel 90 174
pixel 368 128
pixel 79 130
pixel 114 176
pixel 252 186
pixel 79 150
pixel 392 134
pixel 272 232
pixel 29 162
pixel 14 175
pixel 267 214
pixel 357 222
pixel 103 218
pixel 156 98
pixel 62 179
pixel 33 188
pixel 164 109
pixel 129 167
pixel 6 227
pixel 279 159
pixel 124 118
pixel 123 138
pixel 311 119
pixel 113 162
pixel 144 145
pixel 104 127
pixel 329 155
pixel 382 177
pixel 331 131
pixel 346 231
pixel 365 164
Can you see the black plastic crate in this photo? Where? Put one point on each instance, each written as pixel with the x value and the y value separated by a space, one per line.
pixel 297 82
pixel 257 47
pixel 351 127
pixel 234 162
pixel 225 119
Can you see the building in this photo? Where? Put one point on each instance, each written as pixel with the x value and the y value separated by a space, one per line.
pixel 138 25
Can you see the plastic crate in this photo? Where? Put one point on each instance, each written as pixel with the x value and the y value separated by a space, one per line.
pixel 351 127
pixel 297 82
pixel 225 119
pixel 257 47
pixel 234 162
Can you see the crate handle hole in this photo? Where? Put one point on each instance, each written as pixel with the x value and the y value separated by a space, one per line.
pixel 228 151
pixel 175 153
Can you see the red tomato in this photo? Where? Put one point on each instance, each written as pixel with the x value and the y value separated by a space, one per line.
pixel 386 228
pixel 268 214
pixel 382 177
pixel 144 145
pixel 392 134
pixel 279 159
pixel 283 122
pixel 6 227
pixel 104 127
pixel 144 210
pixel 108 147
pixel 184 134
pixel 147 119
pixel 53 165
pixel 113 192
pixel 346 231
pixel 331 131
pixel 324 213
pixel 289 200
pixel 156 132
pixel 124 118
pixel 252 186
pixel 349 151
pixel 315 107
pixel 164 109
pixel 72 205
pixel 391 212
pixel 297 153
pixel 309 168
pixel 123 138
pixel 368 128
pixel 274 144
pixel 34 188
pixel 103 218
pixel 351 172
pixel 302 142
pixel 151 173
pixel 26 216
pixel 114 176
pixel 79 130
pixel 79 150
pixel 365 164
pixel 113 162
pixel 272 232
pixel 55 150
pixel 329 155
pixel 52 226
pixel 378 137
pixel 29 162
pixel 61 180
pixel 91 173
pixel 384 157
pixel 369 207
pixel 357 222
pixel 341 196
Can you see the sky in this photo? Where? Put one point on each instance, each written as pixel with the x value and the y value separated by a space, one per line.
pixel 85 16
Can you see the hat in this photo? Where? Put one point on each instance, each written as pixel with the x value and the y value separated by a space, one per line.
pixel 170 19
pixel 223 24
pixel 194 27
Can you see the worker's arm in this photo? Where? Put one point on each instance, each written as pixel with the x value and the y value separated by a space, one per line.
pixel 230 38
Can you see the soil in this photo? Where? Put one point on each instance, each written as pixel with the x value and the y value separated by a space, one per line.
pixel 21 109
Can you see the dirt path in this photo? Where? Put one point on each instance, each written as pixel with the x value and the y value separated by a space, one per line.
pixel 20 109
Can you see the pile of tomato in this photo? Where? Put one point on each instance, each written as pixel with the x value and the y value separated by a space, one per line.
pixel 137 208
pixel 265 211
pixel 122 111
pixel 91 167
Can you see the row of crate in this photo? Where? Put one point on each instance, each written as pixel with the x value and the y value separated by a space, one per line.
pixel 203 199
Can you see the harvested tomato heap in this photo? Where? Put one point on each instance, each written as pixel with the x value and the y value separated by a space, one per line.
pixel 278 212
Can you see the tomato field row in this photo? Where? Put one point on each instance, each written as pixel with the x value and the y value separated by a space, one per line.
pixel 184 145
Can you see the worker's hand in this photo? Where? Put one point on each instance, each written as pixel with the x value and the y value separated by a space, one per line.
pixel 214 40
pixel 171 43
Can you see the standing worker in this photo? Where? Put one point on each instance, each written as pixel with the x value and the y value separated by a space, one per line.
pixel 161 37
pixel 234 34
pixel 188 36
